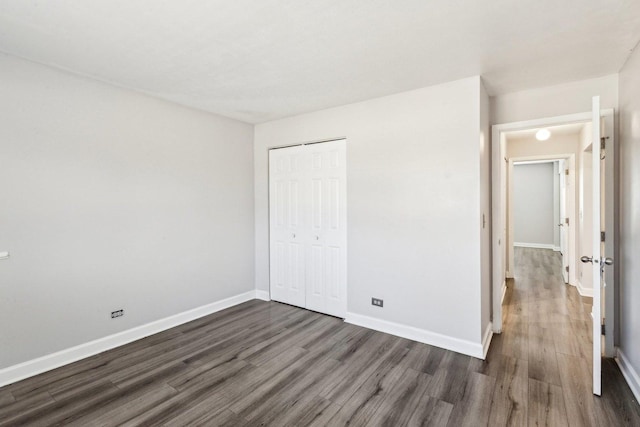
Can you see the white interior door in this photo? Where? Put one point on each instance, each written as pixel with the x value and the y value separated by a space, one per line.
pixel 596 257
pixel 326 272
pixel 287 225
pixel 563 225
pixel 308 235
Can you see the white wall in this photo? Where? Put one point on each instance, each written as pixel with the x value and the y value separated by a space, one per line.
pixel 414 203
pixel 533 212
pixel 628 259
pixel 568 98
pixel 113 200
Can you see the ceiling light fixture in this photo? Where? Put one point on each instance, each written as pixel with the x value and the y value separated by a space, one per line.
pixel 543 134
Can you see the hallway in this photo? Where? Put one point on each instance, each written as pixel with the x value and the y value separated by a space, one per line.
pixel 544 353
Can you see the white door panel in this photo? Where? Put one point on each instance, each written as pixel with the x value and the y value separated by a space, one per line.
pixel 286 242
pixel 596 249
pixel 328 233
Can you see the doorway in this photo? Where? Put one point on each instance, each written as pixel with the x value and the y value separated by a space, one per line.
pixel 502 235
pixel 541 206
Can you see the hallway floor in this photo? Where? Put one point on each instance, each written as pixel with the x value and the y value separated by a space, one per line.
pixel 544 353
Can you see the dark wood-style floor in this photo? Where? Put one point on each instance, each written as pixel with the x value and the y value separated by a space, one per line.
pixel 265 363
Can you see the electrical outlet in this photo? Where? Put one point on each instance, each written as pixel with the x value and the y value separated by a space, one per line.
pixel 117 313
pixel 377 302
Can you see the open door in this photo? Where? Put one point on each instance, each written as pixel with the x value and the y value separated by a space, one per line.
pixel 597 258
pixel 563 224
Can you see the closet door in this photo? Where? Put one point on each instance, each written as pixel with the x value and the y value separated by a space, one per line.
pixel 308 235
pixel 287 225
pixel 326 271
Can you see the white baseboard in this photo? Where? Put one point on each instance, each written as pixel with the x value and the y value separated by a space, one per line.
pixel 46 363
pixel 629 373
pixel 504 291
pixel 469 348
pixel 534 245
pixel 585 292
pixel 556 249
pixel 486 340
pixel 263 295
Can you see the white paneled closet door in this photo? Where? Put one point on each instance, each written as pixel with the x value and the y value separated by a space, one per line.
pixel 312 217
pixel 287 222
pixel 326 284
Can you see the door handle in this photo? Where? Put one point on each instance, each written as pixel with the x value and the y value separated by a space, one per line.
pixel 586 259
pixel 560 225
pixel 608 261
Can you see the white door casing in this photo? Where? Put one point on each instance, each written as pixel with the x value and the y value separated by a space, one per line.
pixel 307 205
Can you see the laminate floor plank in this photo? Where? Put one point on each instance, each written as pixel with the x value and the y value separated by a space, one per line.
pixel 543 363
pixel 306 409
pixel 474 406
pixel 283 395
pixel 182 408
pixel 509 403
pixel 6 398
pixel 311 364
pixel 265 363
pixel 24 407
pixel 67 410
pixel 359 366
pixel 546 405
pixel 365 400
pixel 125 408
pixel 403 400
pixel 254 377
pixel 431 412
pixel 450 379
pixel 576 386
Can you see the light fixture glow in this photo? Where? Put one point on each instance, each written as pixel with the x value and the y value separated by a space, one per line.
pixel 543 134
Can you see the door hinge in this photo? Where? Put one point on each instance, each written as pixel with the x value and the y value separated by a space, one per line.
pixel 566 171
pixel 603 329
pixel 602 236
pixel 567 268
pixel 566 221
pixel 603 143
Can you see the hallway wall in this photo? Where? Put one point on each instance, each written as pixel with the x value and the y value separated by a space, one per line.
pixel 533 205
pixel 629 260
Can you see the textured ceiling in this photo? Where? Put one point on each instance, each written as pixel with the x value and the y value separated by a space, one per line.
pixel 257 60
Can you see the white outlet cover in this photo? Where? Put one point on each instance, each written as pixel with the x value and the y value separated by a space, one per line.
pixel 4 254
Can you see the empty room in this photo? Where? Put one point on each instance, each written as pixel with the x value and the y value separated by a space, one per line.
pixel 321 213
